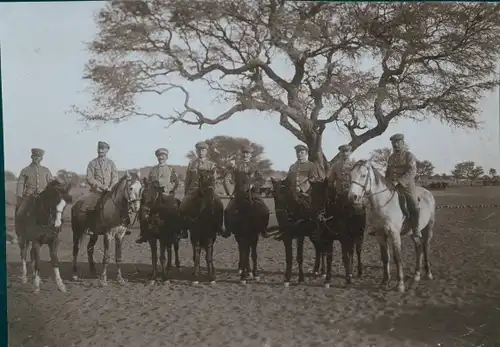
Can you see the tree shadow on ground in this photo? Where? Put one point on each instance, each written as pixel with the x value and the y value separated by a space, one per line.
pixel 471 324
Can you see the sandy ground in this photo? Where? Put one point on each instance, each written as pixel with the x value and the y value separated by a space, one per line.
pixel 460 307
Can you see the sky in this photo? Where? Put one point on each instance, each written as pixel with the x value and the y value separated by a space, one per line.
pixel 42 59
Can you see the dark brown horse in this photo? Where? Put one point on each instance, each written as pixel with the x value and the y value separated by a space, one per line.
pixel 160 220
pixel 206 218
pixel 338 220
pixel 41 226
pixel 107 219
pixel 249 221
pixel 294 222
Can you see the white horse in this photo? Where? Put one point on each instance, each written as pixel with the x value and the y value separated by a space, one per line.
pixel 388 219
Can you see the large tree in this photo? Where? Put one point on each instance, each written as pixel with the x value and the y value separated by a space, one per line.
pixel 424 169
pixel 380 157
pixel 309 63
pixel 467 170
pixel 225 150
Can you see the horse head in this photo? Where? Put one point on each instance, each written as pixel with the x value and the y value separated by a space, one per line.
pixel 363 177
pixel 130 188
pixel 50 204
pixel 207 182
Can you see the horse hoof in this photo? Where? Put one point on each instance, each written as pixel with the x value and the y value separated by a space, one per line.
pixel 103 283
pixel 120 280
pixel 239 272
pixel 62 288
pixel 323 276
pixel 416 278
pixel 213 282
pixel 24 280
pixel 74 278
pixel 250 276
pixel 286 284
pixel 243 282
pixel 195 283
pixel 401 288
pixel 36 290
pixel 151 282
pixel 256 278
pixel 165 282
pixel 326 285
pixel 429 276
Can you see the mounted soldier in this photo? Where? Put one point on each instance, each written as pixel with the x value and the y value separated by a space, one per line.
pixel 300 175
pixel 192 182
pixel 339 178
pixel 246 177
pixel 164 180
pixel 32 181
pixel 101 177
pixel 401 171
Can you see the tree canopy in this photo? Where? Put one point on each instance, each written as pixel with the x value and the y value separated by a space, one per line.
pixel 360 65
pixel 10 176
pixel 467 170
pixel 225 150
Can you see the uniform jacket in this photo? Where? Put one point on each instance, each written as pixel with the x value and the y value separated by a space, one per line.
pixel 301 173
pixel 191 182
pixel 101 174
pixel 32 180
pixel 402 167
pixel 340 175
pixel 241 171
pixel 165 177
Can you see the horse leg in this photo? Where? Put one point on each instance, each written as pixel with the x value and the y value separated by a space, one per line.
pixel 35 253
pixel 209 257
pixel 243 257
pixel 154 260
pixel 384 252
pixel 418 259
pixel 255 271
pixel 165 267
pixel 329 261
pixel 176 253
pixel 90 253
pixel 118 255
pixel 347 255
pixel 23 246
pixel 77 239
pixel 427 237
pixel 300 258
pixel 288 258
pixel 317 259
pixel 169 240
pixel 396 249
pixel 103 280
pixel 54 259
pixel 359 247
pixel 196 259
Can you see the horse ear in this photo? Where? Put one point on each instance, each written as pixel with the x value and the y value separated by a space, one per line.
pixel 127 174
pixel 138 174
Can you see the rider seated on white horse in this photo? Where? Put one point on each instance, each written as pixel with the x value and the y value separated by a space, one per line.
pixel 401 171
pixel 165 180
pixel 245 171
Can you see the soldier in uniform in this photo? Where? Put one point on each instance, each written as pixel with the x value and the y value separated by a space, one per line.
pixel 163 178
pixel 32 181
pixel 240 172
pixel 101 176
pixel 191 183
pixel 300 174
pixel 401 171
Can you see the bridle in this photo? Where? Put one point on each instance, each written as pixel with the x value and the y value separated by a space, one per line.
pixel 366 183
pixel 129 200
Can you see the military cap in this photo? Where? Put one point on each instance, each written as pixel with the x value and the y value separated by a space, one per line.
pixel 247 149
pixel 37 151
pixel 161 151
pixel 345 148
pixel 201 145
pixel 397 137
pixel 102 144
pixel 300 148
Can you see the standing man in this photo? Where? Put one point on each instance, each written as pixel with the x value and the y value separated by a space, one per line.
pixel 245 171
pixel 32 181
pixel 300 174
pixel 163 178
pixel 401 171
pixel 101 176
pixel 191 183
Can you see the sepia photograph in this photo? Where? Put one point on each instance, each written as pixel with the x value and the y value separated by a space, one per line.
pixel 259 173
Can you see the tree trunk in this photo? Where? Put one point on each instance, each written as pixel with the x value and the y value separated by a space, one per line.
pixel 316 155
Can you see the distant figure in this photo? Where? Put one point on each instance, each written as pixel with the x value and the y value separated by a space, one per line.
pixel 165 180
pixel 32 181
pixel 402 171
pixel 101 177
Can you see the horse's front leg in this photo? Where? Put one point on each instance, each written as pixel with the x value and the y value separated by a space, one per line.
pixel 154 260
pixel 384 253
pixel 118 254
pixel 329 260
pixel 90 253
pixel 255 271
pixel 35 255
pixel 359 248
pixel 54 259
pixel 176 253
pixel 168 244
pixel 23 246
pixel 396 249
pixel 287 240
pixel 103 280
pixel 209 256
pixel 300 258
pixel 196 259
pixel 165 268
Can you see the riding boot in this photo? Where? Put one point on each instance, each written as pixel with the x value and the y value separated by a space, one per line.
pixel 142 237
